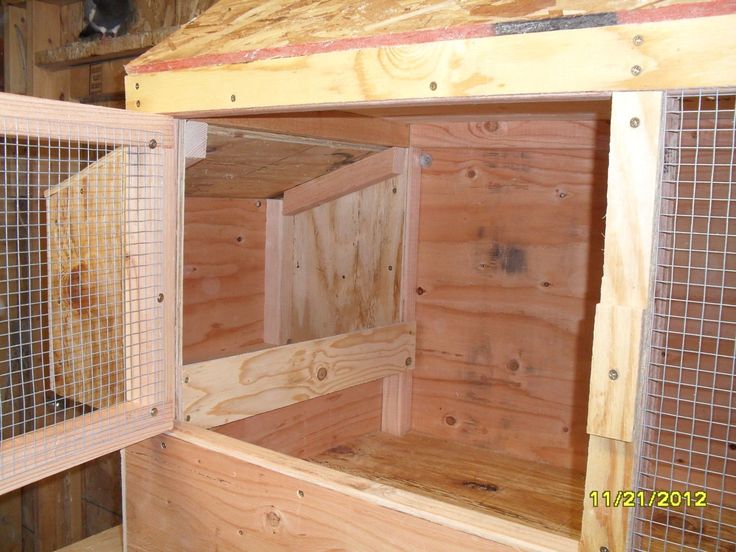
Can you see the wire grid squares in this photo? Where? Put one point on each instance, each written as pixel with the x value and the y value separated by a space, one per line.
pixel 688 442
pixel 81 243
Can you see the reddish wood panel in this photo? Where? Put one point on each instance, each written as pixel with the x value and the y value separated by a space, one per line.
pixel 509 270
pixel 310 427
pixel 224 258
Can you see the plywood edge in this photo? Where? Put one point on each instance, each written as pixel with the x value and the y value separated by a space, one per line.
pixel 110 540
pixel 330 125
pixel 494 529
pixel 674 54
pixel 352 178
pixel 228 389
pixel 278 274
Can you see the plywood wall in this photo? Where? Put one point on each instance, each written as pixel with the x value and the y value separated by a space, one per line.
pixel 509 270
pixel 224 256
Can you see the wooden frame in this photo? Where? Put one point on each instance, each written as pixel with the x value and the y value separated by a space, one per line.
pixel 123 424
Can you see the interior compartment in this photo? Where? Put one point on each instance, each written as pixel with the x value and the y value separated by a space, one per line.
pixel 502 283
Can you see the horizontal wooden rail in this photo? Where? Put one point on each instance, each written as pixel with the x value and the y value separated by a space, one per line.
pixel 345 180
pixel 219 391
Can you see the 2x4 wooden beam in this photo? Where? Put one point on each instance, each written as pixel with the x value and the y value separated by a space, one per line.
pixel 224 390
pixel 376 168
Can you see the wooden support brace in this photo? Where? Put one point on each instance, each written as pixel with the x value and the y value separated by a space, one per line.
pixel 278 274
pixel 346 180
pixel 195 142
pixel 224 390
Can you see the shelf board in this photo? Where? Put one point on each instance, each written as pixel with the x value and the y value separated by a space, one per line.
pixel 80 53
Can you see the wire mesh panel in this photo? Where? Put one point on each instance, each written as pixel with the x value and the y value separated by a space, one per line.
pixel 687 468
pixel 82 276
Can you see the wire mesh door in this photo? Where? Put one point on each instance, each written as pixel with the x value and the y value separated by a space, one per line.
pixel 85 332
pixel 688 446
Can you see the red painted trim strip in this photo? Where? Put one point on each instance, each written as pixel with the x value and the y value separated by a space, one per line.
pixel 678 11
pixel 480 30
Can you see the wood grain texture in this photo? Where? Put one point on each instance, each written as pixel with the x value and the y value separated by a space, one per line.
pixel 210 478
pixel 110 540
pixel 348 262
pixel 279 273
pixel 534 63
pixel 397 390
pixel 224 390
pixel 296 29
pixel 346 180
pixel 224 244
pixel 632 190
pixel 273 163
pixel 509 267
pixel 11 523
pixel 524 134
pixel 533 494
pixel 86 269
pixel 312 426
pixel 331 125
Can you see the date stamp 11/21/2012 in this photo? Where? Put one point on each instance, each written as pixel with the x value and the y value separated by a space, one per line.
pixel 649 499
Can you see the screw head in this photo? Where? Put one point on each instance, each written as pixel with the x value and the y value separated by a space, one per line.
pixel 186 379
pixel 408 361
pixel 603 549
pixel 154 411
pixel 160 298
pixel 322 373
pixel 634 122
pixel 137 103
pixel 638 40
pixel 636 70
pixel 433 85
pixel 425 160
pixel 258 204
pixel 137 86
pixel 163 445
pixel 188 418
pixel 613 375
pixel 232 98
pixel 152 144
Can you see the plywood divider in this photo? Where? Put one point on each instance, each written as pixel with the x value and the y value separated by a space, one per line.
pixel 352 178
pixel 278 273
pixel 397 390
pixel 224 390
pixel 633 187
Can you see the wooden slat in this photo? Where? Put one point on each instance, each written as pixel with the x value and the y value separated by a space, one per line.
pixel 278 274
pixel 633 184
pixel 11 521
pixel 458 69
pixel 370 170
pixel 221 391
pixel 530 134
pixel 15 66
pixel 110 540
pixel 223 280
pixel 195 141
pixel 201 473
pixel 79 53
pixel 331 125
pixel 86 270
pixel 397 390
pixel 315 425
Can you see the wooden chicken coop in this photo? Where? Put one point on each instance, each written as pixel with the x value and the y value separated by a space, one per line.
pixel 389 276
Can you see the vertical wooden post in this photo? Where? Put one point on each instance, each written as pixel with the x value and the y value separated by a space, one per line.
pixel 633 189
pixel 278 274
pixel 397 390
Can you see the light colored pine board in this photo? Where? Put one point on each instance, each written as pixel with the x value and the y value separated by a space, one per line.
pixel 397 390
pixel 523 64
pixel 297 29
pixel 509 266
pixel 44 31
pixel 331 125
pixel 632 190
pixel 348 262
pixel 346 180
pixel 110 540
pixel 84 52
pixel 273 163
pixel 195 141
pixel 223 284
pixel 86 269
pixel 524 134
pixel 224 390
pixel 210 477
pixel 533 494
pixel 278 274
pixel 315 425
